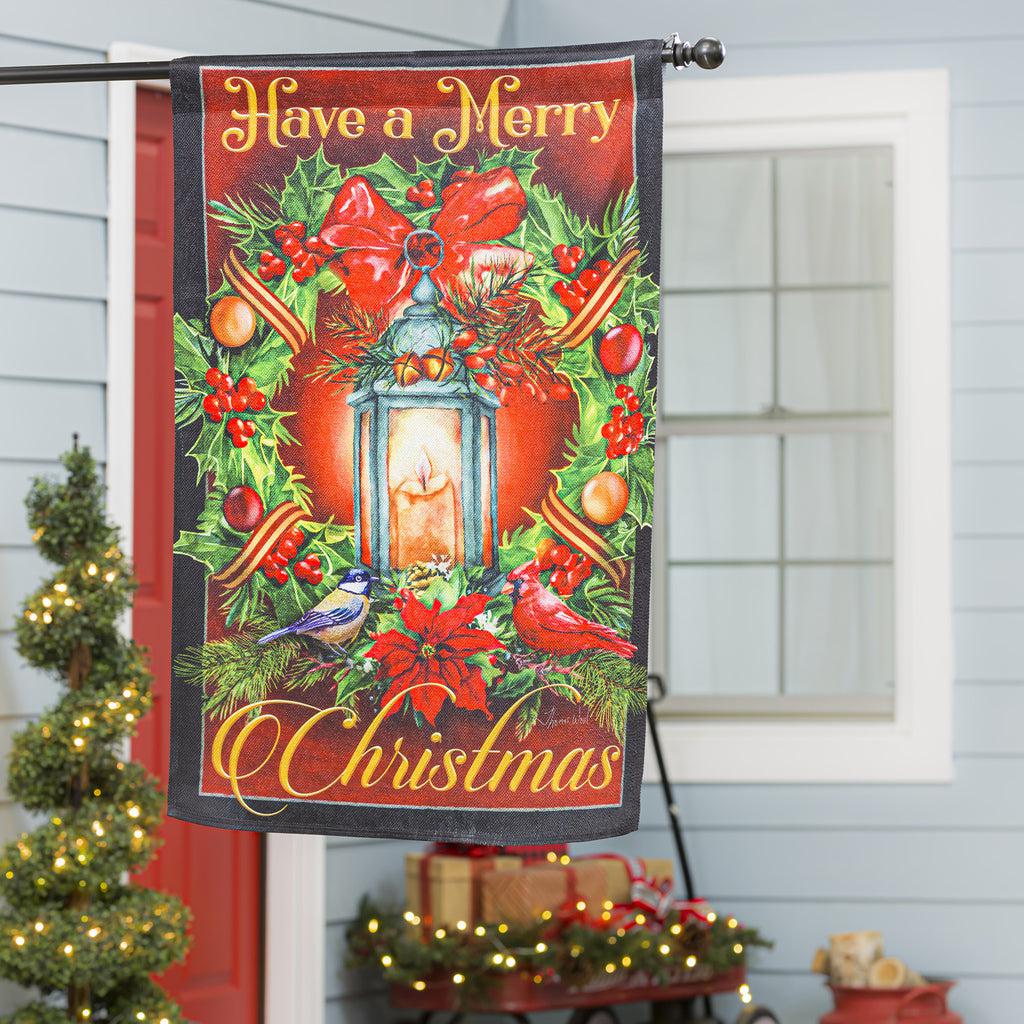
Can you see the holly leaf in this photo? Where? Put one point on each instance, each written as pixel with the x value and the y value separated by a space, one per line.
pixel 309 190
pixel 523 163
pixel 207 549
pixel 515 684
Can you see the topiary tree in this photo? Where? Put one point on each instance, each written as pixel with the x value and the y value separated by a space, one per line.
pixel 71 925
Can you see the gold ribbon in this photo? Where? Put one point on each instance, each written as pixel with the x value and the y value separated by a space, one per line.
pixel 265 302
pixel 567 524
pixel 263 541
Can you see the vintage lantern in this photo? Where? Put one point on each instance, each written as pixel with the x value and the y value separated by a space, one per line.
pixel 425 470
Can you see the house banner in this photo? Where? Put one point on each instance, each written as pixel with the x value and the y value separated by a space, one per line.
pixel 415 335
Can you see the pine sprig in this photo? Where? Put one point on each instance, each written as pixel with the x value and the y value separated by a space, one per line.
pixel 237 670
pixel 612 689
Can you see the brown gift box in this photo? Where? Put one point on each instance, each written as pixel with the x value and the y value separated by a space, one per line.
pixel 522 895
pixel 444 889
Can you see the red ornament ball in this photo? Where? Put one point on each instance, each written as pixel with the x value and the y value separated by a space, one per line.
pixel 620 349
pixel 243 509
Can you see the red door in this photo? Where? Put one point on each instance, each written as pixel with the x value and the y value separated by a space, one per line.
pixel 217 873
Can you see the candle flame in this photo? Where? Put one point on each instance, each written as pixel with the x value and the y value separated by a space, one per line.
pixel 424 470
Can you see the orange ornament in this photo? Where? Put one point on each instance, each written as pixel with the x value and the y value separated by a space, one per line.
pixel 232 321
pixel 408 369
pixel 437 364
pixel 604 498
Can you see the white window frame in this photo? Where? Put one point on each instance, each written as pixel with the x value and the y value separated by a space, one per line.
pixel 909 112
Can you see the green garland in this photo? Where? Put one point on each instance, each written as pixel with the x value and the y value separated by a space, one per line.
pixel 234 673
pixel 577 954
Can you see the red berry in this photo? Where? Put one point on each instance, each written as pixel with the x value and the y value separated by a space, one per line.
pixel 266 256
pixel 214 377
pixel 606 430
pixel 234 425
pixel 248 428
pixel 280 232
pixel 487 351
pixel 475 362
pixel 265 273
pixel 296 536
pixel 210 405
pixel 238 441
pixel 486 381
pixel 617 412
pixel 464 339
pixel 224 400
pixel 560 252
pixel 282 576
pixel 217 416
pixel 245 386
pixel 271 574
pixel 287 549
pixel 589 278
pixel 620 349
pixel 257 400
pixel 239 402
pixel 621 391
pixel 412 194
pixel 313 561
pixel 560 391
pixel 243 509
pixel 315 576
pixel 278 266
pixel 560 554
pixel 279 559
pixel 291 246
pixel 297 228
pixel 602 267
pixel 632 403
pixel 426 185
pixel 576 253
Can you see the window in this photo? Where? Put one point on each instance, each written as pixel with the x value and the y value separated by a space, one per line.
pixel 801 592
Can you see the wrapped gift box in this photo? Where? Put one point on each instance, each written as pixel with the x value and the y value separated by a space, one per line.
pixel 656 869
pixel 444 889
pixel 521 895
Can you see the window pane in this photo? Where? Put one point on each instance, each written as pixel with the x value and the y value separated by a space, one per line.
pixel 723 630
pixel 839 630
pixel 835 351
pixel 839 496
pixel 835 217
pixel 716 222
pixel 723 498
pixel 717 353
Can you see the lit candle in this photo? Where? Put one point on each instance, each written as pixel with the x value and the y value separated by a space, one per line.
pixel 423 523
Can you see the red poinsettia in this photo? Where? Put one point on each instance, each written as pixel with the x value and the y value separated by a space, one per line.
pixel 435 647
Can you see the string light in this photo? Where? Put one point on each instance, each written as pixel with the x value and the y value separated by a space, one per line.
pixel 691 961
pixel 545 915
pixel 480 931
pixel 386 960
pixel 712 917
pixel 461 925
pixel 610 968
pixel 372 925
pixel 19 940
pixel 541 947
pixel 498 958
pixel 458 979
pixel 744 993
pixel 419 985
pixel 664 949
pixel 440 933
pixel 627 961
pixel 502 928
pixel 581 905
pixel 732 922
pixel 738 948
pixel 510 961
pixel 69 950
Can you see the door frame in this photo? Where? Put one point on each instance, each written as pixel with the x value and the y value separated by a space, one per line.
pixel 294 865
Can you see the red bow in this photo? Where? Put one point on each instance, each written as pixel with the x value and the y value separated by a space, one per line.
pixel 476 208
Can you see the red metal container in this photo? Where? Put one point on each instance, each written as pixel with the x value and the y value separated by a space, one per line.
pixel 922 1003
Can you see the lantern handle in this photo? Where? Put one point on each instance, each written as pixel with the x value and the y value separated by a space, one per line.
pixel 423 266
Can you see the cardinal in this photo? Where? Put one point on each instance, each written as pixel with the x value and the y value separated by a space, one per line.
pixel 547 624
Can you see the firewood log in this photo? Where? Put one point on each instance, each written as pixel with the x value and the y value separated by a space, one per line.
pixel 851 955
pixel 819 962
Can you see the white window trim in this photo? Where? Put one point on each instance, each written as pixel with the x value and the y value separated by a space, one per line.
pixel 909 111
pixel 294 865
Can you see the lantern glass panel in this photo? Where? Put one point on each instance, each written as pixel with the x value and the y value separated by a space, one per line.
pixel 365 503
pixel 424 474
pixel 485 491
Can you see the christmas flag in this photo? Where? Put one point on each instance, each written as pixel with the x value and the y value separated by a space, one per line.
pixel 415 338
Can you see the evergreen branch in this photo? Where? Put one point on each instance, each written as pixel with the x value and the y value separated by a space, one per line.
pixel 612 689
